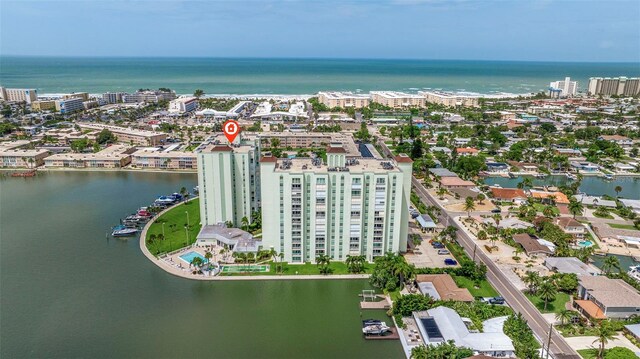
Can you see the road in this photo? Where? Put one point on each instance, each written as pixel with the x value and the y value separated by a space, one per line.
pixel 559 347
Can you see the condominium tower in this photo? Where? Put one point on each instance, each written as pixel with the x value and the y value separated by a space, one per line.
pixel 228 182
pixel 348 206
pixel 563 88
pixel 620 86
pixel 19 95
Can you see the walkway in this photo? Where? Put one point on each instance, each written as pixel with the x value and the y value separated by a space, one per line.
pixel 588 343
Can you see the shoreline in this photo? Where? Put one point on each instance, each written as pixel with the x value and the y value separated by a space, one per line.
pixel 173 271
pixel 68 169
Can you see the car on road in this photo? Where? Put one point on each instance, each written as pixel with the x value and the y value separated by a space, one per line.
pixel 437 245
pixel 496 210
pixel 443 251
pixel 450 262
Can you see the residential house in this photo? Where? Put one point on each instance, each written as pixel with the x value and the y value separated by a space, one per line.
pixel 532 245
pixel 497 167
pixel 571 226
pixel 601 297
pixel 515 195
pixel 467 151
pixel 442 287
pixel 455 182
pixel 620 140
pixel 570 265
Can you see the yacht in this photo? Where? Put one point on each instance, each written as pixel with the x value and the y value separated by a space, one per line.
pixel 165 200
pixel 634 272
pixel 374 327
pixel 571 176
pixel 123 231
pixel 608 177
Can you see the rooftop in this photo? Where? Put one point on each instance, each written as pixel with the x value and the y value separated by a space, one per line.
pixel 570 265
pixel 446 287
pixel 360 165
pixel 530 244
pixel 610 292
pixel 456 181
pixel 507 193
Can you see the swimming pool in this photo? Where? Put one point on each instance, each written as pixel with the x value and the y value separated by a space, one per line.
pixel 188 257
pixel 585 243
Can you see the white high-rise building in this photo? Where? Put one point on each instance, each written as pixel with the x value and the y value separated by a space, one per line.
pixel 620 86
pixel 344 207
pixel 563 88
pixel 183 104
pixel 228 182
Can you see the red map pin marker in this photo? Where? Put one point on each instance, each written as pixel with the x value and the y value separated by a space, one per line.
pixel 231 129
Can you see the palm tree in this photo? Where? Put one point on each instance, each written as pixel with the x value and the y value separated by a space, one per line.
pixel 208 256
pixel 481 197
pixel 618 189
pixel 323 261
pixel 183 192
pixel 355 264
pixel 532 280
pixel 197 262
pixel 281 256
pixel 469 206
pixel 604 333
pixel 548 211
pixel 497 218
pixel 442 192
pixel 250 258
pixel 482 235
pixel 575 208
pixel 517 251
pixel 547 292
pixel 611 262
pixel 198 93
pixel 245 223
pixel 565 315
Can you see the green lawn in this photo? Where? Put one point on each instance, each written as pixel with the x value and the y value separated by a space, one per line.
pixel 484 289
pixel 540 207
pixel 552 307
pixel 588 353
pixel 622 226
pixel 175 237
pixel 307 269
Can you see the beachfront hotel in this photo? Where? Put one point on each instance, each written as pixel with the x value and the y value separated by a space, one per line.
pixel 183 105
pixel 343 99
pixel 228 181
pixel 347 206
pixel 396 99
pixel 128 135
pixel 620 86
pixel 19 95
pixel 563 88
pixel 70 105
pixel 450 99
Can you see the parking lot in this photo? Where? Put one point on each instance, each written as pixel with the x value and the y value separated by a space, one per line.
pixel 425 256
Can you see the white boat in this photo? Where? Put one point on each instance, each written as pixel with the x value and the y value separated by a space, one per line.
pixel 571 176
pixel 634 272
pixel 374 327
pixel 124 232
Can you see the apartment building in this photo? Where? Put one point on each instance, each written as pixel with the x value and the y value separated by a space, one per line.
pixel 70 105
pixel 344 207
pixel 19 95
pixel 396 99
pixel 450 99
pixel 297 140
pixel 43 105
pixel 563 88
pixel 10 158
pixel 228 181
pixel 129 135
pixel 173 160
pixel 113 97
pixel 183 104
pixel 116 156
pixel 343 99
pixel 149 96
pixel 620 86
pixel 83 95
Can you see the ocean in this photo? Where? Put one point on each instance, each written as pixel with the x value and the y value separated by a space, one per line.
pixel 293 76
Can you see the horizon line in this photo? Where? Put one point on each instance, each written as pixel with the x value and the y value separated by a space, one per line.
pixel 302 58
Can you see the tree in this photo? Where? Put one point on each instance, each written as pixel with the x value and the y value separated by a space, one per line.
pixel 611 262
pixel 183 192
pixel 197 262
pixel 548 211
pixel 363 133
pixel 390 272
pixel 323 261
pixel 565 315
pixel 575 208
pixel 105 137
pixel 481 197
pixel 603 332
pixel 442 192
pixel 469 206
pixel 547 292
pixel 355 264
pixel 208 256
pixel 532 280
pixel 619 353
pixel 245 223
pixel 447 350
pixel 482 235
pixel 618 189
pixel 198 93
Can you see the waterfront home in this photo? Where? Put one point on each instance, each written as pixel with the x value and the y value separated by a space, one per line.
pixel 532 244
pixel 620 140
pixel 549 197
pixel 570 226
pixel 15 158
pixel 570 265
pixel 116 156
pixel 442 287
pixel 441 324
pixel 623 167
pixel 601 297
pixel 467 151
pixel 633 204
pixel 497 167
pixel 442 172
pixel 515 195
pixel 584 167
pixel 595 201
pixel 445 150
pixel 633 330
pixel 234 239
pixel 455 182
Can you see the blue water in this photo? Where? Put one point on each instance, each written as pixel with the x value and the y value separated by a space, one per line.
pixel 292 76
pixel 188 257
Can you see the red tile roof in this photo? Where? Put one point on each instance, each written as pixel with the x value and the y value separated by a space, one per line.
pixel 467 150
pixel 507 193
pixel 402 158
pixel 268 159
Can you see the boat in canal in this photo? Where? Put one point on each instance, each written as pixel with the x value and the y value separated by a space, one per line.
pixel 123 231
pixel 634 272
pixel 374 327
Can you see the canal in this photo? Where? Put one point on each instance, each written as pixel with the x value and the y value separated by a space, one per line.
pixel 591 185
pixel 68 291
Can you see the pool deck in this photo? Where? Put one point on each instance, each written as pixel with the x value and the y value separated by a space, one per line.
pixel 176 266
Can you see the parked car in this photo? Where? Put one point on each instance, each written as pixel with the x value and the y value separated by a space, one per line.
pixel 450 262
pixel 496 300
pixel 443 251
pixel 496 210
pixel 437 245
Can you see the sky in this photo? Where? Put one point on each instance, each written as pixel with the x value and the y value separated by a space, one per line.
pixel 543 30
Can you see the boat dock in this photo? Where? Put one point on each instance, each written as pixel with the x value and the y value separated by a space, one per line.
pixel 392 334
pixel 370 300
